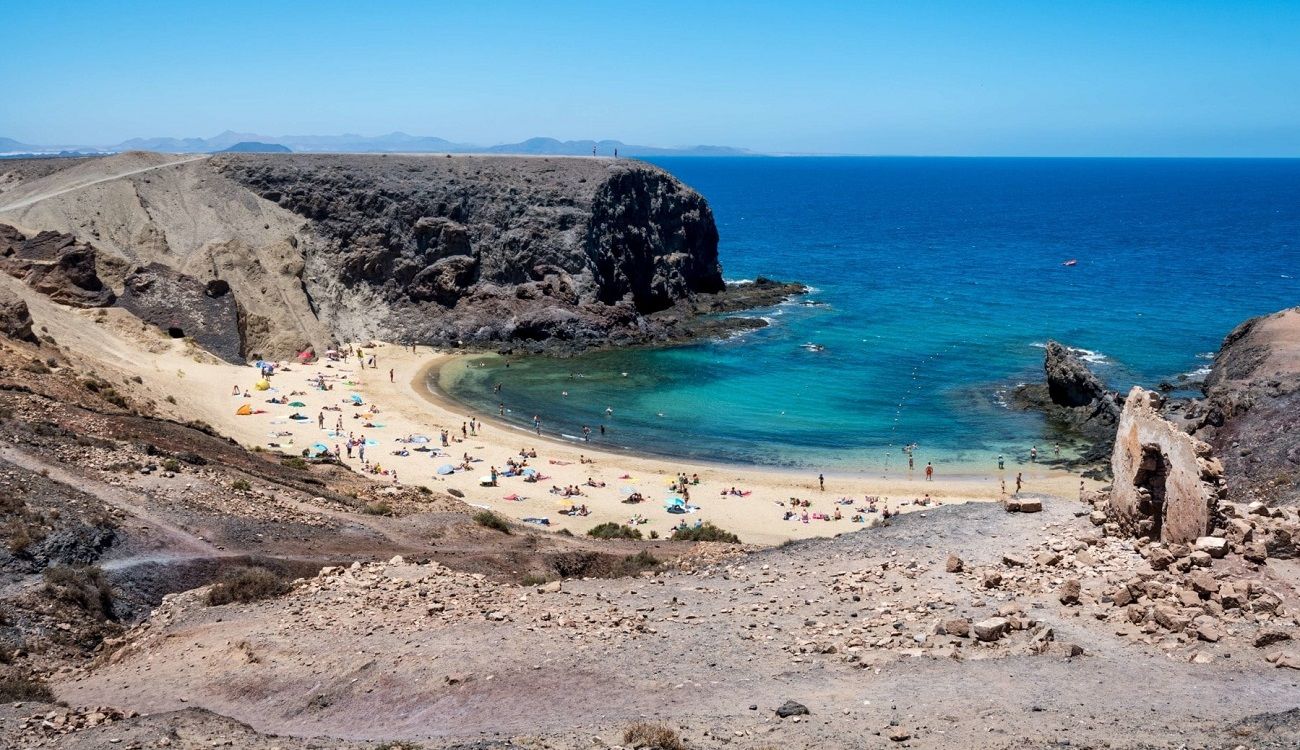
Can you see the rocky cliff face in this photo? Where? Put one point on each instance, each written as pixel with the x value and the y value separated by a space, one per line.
pixel 56 265
pixel 1251 413
pixel 480 250
pixel 185 307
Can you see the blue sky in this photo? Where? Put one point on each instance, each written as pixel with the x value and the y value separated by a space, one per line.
pixel 959 78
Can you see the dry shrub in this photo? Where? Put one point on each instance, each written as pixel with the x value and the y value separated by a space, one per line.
pixel 245 585
pixel 21 687
pixel 83 586
pixel 490 520
pixel 649 736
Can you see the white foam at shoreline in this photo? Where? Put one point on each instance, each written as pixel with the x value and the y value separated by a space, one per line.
pixel 1087 355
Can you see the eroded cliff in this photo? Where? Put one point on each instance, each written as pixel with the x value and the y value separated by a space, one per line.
pixel 480 250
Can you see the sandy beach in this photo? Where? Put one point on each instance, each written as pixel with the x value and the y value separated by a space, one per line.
pixel 406 407
pixel 201 388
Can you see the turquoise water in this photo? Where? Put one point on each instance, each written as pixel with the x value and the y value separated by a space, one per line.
pixel 936 281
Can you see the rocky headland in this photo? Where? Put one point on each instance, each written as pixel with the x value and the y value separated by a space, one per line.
pixel 551 255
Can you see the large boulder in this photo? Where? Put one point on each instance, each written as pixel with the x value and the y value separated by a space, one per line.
pixel 56 265
pixel 1167 484
pixel 185 307
pixel 15 320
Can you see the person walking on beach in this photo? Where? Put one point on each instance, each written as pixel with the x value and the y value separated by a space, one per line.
pixel 929 471
pixel 1018 483
pixel 390 375
pixel 1000 462
pixel 320 420
pixel 1057 449
pixel 821 482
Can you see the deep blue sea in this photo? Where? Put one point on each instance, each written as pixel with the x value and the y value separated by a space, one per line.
pixel 936 282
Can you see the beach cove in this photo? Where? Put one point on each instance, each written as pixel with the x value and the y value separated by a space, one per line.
pixel 406 407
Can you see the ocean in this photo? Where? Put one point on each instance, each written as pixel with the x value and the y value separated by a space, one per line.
pixel 935 283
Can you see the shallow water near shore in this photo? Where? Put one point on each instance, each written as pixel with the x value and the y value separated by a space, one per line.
pixel 935 283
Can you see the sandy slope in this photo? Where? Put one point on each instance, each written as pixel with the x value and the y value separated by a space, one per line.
pixel 137 208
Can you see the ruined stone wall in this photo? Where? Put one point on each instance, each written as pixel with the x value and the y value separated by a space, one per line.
pixel 1167 484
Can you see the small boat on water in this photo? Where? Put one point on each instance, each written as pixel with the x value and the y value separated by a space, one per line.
pixel 1071 262
pixel 810 346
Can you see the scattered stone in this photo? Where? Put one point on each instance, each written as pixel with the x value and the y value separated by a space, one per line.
pixel 792 708
pixel 1069 591
pixel 992 629
pixel 954 564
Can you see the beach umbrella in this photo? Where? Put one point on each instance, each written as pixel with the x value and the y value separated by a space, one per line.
pixel 296 404
pixel 421 439
pixel 262 384
pixel 529 472
pixel 446 469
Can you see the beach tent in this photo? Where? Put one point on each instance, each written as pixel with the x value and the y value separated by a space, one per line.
pixel 356 398
pixel 446 469
pixel 318 448
pixel 262 384
pixel 244 410
pixel 419 439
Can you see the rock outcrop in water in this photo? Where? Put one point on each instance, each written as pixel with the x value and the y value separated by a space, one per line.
pixel 56 265
pixel 1075 401
pixel 487 250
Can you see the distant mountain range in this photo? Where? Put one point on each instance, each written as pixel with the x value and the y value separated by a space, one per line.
pixel 352 143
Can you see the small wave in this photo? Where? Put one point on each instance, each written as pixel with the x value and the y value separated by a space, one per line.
pixel 738 282
pixel 1087 355
pixel 1206 355
pixel 1199 373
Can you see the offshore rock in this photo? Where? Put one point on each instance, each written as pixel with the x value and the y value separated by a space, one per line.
pixel 1075 402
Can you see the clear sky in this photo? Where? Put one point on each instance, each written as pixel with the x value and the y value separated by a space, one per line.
pixel 1187 77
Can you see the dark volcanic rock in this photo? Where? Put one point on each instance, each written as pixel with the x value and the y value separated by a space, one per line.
pixel 56 265
pixel 186 307
pixel 1251 413
pixel 556 253
pixel 1075 402
pixel 1069 382
pixel 15 320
